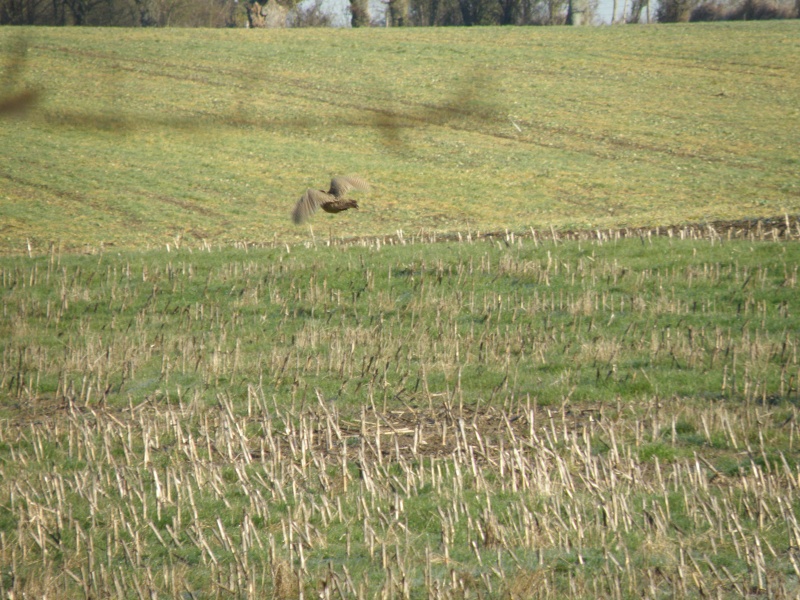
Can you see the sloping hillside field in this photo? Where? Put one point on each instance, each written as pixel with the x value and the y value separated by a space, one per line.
pixel 142 136
pixel 518 371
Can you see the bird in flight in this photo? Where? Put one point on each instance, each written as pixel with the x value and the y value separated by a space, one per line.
pixel 332 201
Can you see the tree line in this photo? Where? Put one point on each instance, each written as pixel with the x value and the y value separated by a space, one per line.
pixel 121 13
pixel 233 13
pixel 396 13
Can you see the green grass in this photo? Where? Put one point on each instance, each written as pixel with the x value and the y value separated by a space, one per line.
pixel 491 419
pixel 142 137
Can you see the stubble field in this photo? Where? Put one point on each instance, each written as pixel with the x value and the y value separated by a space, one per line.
pixel 598 399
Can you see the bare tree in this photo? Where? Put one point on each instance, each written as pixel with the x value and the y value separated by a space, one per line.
pixel 81 9
pixel 556 11
pixel 478 12
pixel 271 15
pixel 674 11
pixel 161 13
pixel 509 12
pixel 359 13
pixel 310 16
pixel 398 13
pixel 434 12
pixel 636 10
pixel 30 12
pixel 578 12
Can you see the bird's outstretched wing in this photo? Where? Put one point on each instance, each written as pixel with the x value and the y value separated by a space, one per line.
pixel 341 185
pixel 309 202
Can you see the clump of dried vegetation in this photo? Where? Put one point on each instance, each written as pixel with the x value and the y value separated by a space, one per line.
pixel 595 415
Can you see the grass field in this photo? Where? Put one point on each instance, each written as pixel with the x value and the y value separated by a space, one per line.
pixel 142 136
pixel 199 400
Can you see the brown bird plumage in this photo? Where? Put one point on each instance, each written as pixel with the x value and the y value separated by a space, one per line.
pixel 332 201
